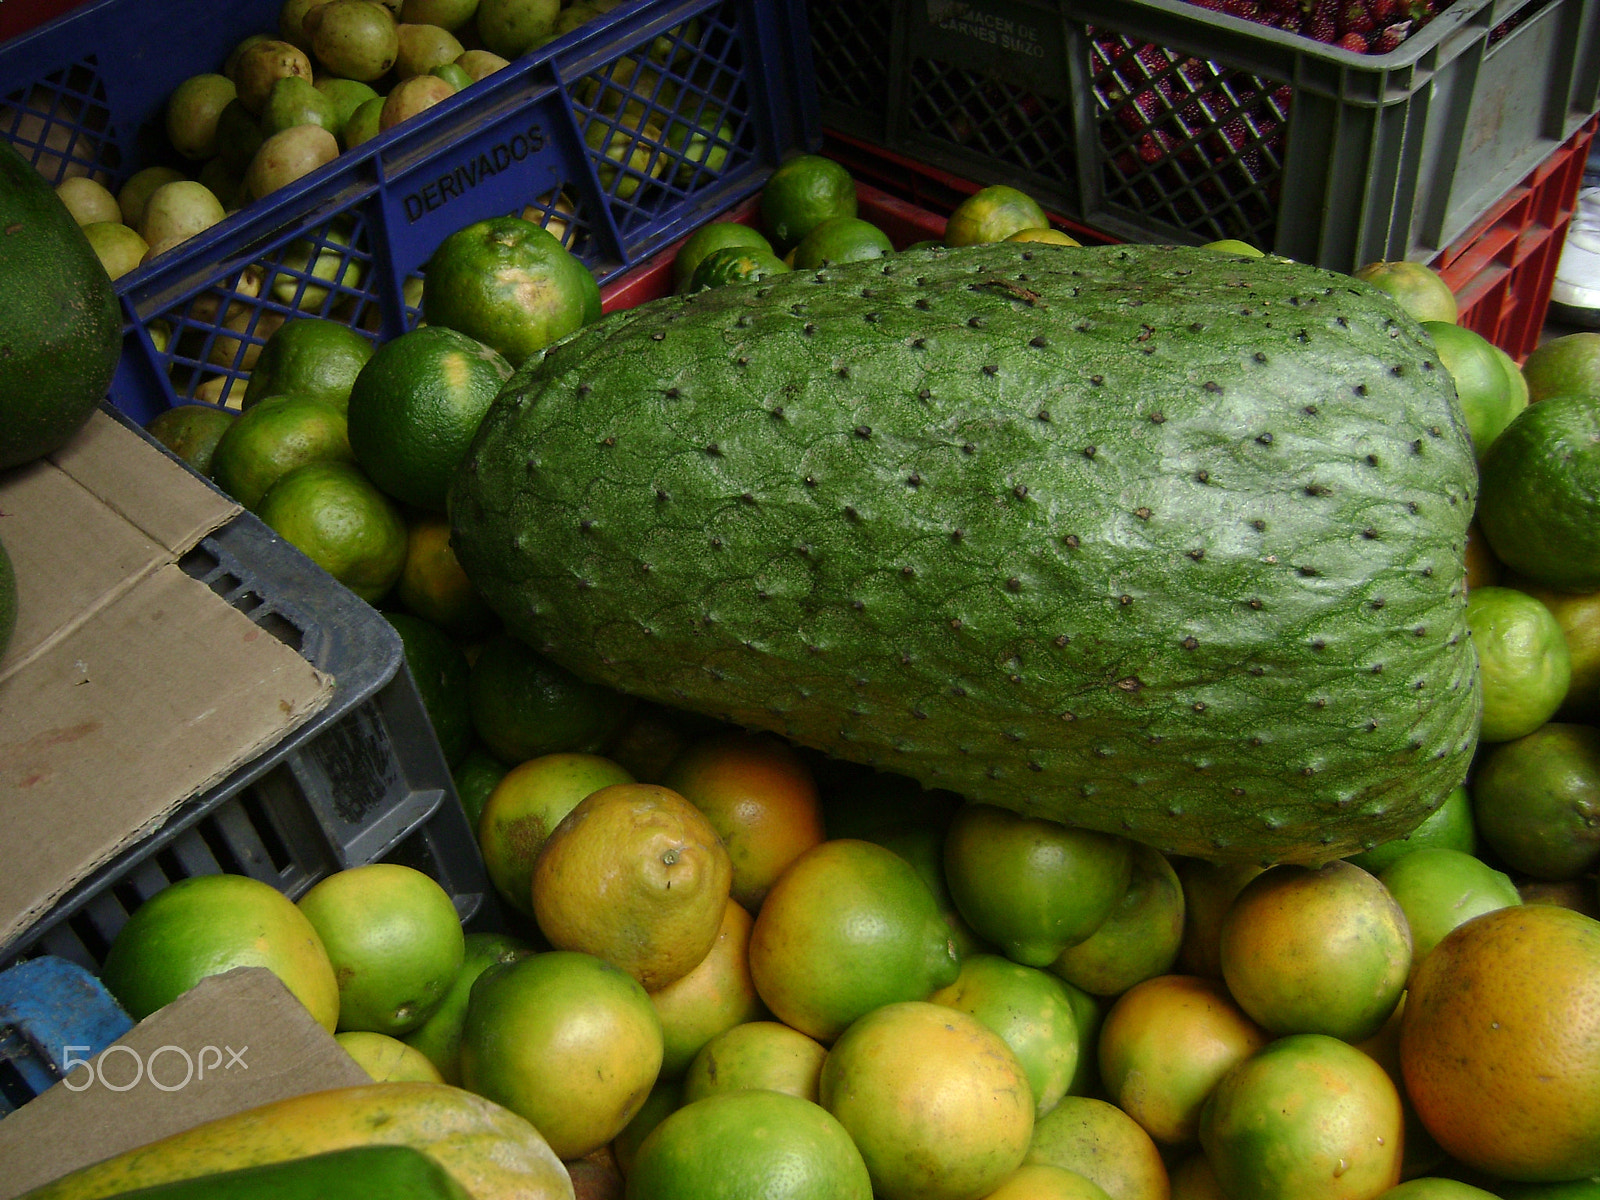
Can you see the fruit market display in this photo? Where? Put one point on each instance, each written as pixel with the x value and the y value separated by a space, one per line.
pixel 995 721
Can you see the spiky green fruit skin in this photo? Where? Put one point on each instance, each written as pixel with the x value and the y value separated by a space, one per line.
pixel 1144 539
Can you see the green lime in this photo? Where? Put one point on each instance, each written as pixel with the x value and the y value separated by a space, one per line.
pixel 1536 800
pixel 1522 658
pixel 439 1037
pixel 1539 495
pixel 191 431
pixel 841 240
pixel 506 283
pixel 1487 397
pixel 309 356
pixel 1439 889
pixel 475 778
pixel 339 519
pixel 703 241
pixel 735 264
pixel 749 1143
pixel 1139 940
pixel 1564 366
pixel 801 194
pixel 266 442
pixel 1449 826
pixel 415 407
pixel 395 941
pixel 525 705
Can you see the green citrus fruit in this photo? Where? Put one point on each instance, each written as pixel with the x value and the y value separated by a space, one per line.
pixel 1578 614
pixel 1307 1117
pixel 266 442
pixel 841 240
pixel 756 1054
pixel 1539 495
pixel 339 519
pixel 440 671
pixel 712 236
pixel 749 1143
pixel 1030 1011
pixel 1439 889
pixel 935 1101
pixel 1562 366
pixel 1427 1188
pixel 524 705
pixel 1234 246
pixel 921 843
pixel 1418 288
pixel 529 801
pixel 849 927
pixel 801 194
pixel 1536 800
pixel 507 283
pixel 564 1040
pixel 993 214
pixel 476 777
pixel 1140 938
pixel 395 941
pixel 309 356
pixel 1030 886
pixel 439 1036
pixel 1487 399
pixel 735 264
pixel 191 431
pixel 415 407
pixel 1523 661
pixel 1449 826
pixel 209 924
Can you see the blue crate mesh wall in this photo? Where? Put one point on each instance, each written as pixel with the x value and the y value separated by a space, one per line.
pixel 62 124
pixel 1186 142
pixel 208 344
pixel 669 118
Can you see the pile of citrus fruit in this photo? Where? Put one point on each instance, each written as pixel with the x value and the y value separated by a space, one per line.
pixel 729 967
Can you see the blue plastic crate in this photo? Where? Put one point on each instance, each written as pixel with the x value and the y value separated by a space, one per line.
pixel 51 1010
pixel 85 94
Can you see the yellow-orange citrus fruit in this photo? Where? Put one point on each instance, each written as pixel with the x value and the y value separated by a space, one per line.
pixel 1500 1043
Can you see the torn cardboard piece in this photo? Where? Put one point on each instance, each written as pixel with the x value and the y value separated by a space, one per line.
pixel 232 1042
pixel 129 686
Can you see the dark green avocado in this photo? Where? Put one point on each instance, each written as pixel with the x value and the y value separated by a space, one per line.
pixel 60 327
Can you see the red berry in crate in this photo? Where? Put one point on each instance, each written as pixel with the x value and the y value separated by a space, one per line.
pixel 1356 42
pixel 1356 19
pixel 1390 37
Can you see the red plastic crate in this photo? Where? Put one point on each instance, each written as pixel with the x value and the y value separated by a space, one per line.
pixel 1501 269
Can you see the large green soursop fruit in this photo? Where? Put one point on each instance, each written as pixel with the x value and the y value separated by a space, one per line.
pixel 1149 540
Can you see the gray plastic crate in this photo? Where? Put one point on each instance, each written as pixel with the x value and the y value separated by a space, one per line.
pixel 1159 120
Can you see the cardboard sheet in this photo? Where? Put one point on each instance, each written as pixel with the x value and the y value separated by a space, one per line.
pixel 128 686
pixel 232 1042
